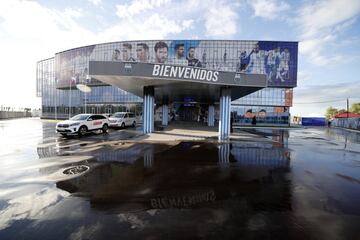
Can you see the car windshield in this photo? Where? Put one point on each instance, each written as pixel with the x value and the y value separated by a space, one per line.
pixel 118 115
pixel 80 117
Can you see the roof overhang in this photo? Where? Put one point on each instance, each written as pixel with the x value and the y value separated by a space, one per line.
pixel 174 82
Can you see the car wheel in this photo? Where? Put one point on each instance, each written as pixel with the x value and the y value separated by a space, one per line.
pixel 123 125
pixel 82 131
pixel 105 128
pixel 134 124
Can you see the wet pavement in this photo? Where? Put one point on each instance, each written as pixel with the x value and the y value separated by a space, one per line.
pixel 283 184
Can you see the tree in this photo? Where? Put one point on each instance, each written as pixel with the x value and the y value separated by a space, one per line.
pixel 331 112
pixel 355 108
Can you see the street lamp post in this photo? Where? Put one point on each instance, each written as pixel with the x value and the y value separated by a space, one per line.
pixel 85 89
pixel 72 79
pixel 86 82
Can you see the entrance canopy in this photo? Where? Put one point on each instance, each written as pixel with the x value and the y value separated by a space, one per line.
pixel 174 83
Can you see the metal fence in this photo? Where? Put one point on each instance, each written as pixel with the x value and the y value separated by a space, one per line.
pixel 352 123
pixel 14 114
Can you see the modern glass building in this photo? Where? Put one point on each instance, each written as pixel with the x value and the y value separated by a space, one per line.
pixel 59 79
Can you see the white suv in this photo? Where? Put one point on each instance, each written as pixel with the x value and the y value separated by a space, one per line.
pixel 82 123
pixel 122 119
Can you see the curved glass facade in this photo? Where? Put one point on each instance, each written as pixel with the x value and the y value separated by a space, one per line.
pixel 62 103
pixel 278 60
pixel 57 77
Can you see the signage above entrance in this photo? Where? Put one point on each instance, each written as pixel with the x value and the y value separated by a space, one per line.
pixel 175 73
pixel 173 82
pixel 181 72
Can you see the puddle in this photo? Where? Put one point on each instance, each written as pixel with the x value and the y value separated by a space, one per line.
pixel 252 187
pixel 187 175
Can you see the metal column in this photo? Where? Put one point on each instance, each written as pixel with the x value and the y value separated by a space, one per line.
pixel 165 114
pixel 211 116
pixel 148 110
pixel 224 122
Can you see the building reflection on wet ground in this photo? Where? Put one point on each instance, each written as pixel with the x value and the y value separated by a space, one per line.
pixel 287 184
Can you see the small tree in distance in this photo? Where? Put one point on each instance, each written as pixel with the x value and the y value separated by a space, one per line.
pixel 355 108
pixel 331 112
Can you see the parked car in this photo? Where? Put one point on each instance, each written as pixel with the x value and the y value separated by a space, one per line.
pixel 107 114
pixel 83 123
pixel 122 119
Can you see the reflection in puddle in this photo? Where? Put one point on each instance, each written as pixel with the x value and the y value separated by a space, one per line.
pixel 148 158
pixel 224 154
pixel 248 188
pixel 154 176
pixel 30 206
pixel 183 201
pixel 218 184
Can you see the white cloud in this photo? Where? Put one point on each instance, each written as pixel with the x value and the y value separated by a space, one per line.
pixel 303 76
pixel 138 6
pixel 30 32
pixel 221 20
pixel 95 2
pixel 145 19
pixel 321 23
pixel 220 16
pixel 155 27
pixel 269 9
pixel 309 100
pixel 318 52
pixel 324 15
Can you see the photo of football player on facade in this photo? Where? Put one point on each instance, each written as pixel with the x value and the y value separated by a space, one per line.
pixel 142 52
pixel 243 61
pixel 283 69
pixel 203 58
pixel 126 53
pixel 257 61
pixel 192 61
pixel 272 63
pixel 179 55
pixel 161 52
pixel 116 55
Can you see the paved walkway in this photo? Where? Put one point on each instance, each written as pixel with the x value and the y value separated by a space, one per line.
pixel 195 132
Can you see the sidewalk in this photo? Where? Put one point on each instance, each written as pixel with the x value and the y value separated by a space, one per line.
pixel 195 133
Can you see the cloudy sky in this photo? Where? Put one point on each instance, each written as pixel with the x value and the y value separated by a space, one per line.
pixel 328 32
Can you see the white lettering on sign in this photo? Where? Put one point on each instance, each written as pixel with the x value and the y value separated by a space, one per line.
pixel 185 72
pixel 156 70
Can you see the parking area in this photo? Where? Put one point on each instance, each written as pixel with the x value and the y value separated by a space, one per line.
pixel 267 183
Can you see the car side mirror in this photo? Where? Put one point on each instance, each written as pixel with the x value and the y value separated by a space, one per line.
pixel 90 119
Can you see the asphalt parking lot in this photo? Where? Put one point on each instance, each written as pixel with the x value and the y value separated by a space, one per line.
pixel 284 184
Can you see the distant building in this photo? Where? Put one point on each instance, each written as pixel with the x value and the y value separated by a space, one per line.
pixel 347 115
